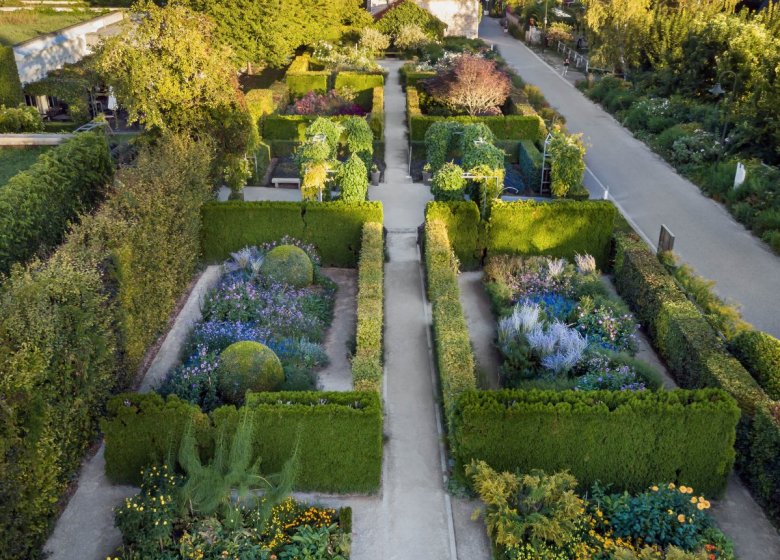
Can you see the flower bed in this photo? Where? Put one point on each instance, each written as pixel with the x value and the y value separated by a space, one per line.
pixel 537 516
pixel 251 303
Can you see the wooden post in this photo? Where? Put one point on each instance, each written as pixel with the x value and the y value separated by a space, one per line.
pixel 665 240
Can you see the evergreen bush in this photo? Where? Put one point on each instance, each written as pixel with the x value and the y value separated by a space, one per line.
pixel 20 119
pixel 289 265
pixel 530 159
pixel 628 440
pixel 405 13
pixel 10 86
pixel 448 183
pixel 353 179
pixel 247 366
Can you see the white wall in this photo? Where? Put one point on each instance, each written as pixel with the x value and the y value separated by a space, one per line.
pixel 37 57
pixel 461 16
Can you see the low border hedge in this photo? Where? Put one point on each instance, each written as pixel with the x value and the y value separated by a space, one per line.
pixel 300 80
pixel 362 84
pixel 452 346
pixel 376 119
pixel 367 361
pixel 338 435
pixel 627 439
pixel 334 228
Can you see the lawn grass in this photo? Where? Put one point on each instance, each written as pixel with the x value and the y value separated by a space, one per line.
pixel 21 25
pixel 14 160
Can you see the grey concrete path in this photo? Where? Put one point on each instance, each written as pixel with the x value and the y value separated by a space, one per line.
pixel 482 327
pixel 651 193
pixel 737 514
pixel 337 375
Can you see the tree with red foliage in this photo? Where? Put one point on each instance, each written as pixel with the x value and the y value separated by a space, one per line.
pixel 472 85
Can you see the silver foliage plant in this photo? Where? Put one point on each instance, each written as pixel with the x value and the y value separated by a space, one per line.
pixel 560 347
pixel 586 264
pixel 555 267
pixel 248 258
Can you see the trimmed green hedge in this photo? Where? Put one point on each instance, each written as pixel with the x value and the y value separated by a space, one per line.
pixel 452 346
pixel 560 228
pixel 696 356
pixel 335 228
pixel 300 80
pixel 530 159
pixel 37 204
pixel 362 84
pixel 627 439
pixel 376 119
pixel 260 102
pixel 463 229
pixel 10 86
pixel 263 160
pixel 759 352
pixel 507 127
pixel 338 435
pixel 399 14
pixel 367 361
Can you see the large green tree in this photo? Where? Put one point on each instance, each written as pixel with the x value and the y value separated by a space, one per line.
pixel 269 31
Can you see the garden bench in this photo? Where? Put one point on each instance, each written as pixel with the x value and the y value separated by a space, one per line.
pixel 276 181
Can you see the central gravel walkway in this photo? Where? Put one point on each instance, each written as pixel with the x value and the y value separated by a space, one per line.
pixel 651 193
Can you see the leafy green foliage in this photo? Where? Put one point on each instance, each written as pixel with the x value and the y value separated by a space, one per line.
pixel 361 84
pixel 406 13
pixel 301 80
pixel 627 439
pixel 439 142
pixel 353 179
pixel 530 159
pixel 334 228
pixel 567 168
pixel 338 435
pixel 759 352
pixel 20 119
pixel 367 361
pixel 247 366
pixel 448 183
pixel 454 358
pixel 37 204
pixel 10 87
pixel 69 84
pixel 288 264
pixel 464 229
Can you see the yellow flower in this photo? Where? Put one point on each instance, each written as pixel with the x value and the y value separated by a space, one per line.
pixel 681 518
pixel 693 500
pixel 670 512
pixel 655 488
pixel 599 513
pixel 671 486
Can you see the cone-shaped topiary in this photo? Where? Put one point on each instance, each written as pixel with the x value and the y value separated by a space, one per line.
pixel 247 366
pixel 288 264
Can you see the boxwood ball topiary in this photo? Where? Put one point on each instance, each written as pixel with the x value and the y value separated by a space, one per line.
pixel 288 264
pixel 247 366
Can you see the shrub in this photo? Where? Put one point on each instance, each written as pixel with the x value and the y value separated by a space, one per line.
pixel 376 119
pixel 367 361
pixel 374 40
pixel 37 204
pixel 567 168
pixel 404 13
pixel 334 228
pixel 288 265
pixel 361 84
pixel 463 229
pixel 330 103
pixel 359 139
pixel 300 80
pixel 559 229
pixel 629 440
pixel 410 37
pixel 247 366
pixel 20 119
pixel 10 86
pixel 473 85
pixel 338 435
pixel 448 183
pixel 438 142
pixel 452 346
pixel 759 352
pixel 759 458
pixel 353 180
pixel 260 102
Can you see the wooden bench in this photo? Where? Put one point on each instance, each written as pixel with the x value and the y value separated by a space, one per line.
pixel 276 181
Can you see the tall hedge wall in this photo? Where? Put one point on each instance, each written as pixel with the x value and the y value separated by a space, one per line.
pixel 463 229
pixel 627 439
pixel 338 435
pixel 452 346
pixel 367 361
pixel 560 228
pixel 531 160
pixel 301 80
pixel 37 204
pixel 335 228
pixel 10 86
pixel 698 358
pixel 376 119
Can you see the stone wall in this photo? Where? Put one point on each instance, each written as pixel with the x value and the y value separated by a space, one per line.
pixel 39 56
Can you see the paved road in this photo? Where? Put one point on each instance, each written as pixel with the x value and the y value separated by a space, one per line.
pixel 651 193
